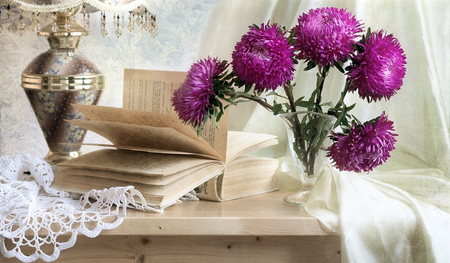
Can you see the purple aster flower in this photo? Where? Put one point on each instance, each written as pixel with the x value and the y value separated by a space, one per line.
pixel 325 35
pixel 379 70
pixel 263 57
pixel 364 147
pixel 192 99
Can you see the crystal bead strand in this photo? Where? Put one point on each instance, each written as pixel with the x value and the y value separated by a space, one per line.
pixel 146 25
pixel 55 27
pixel 68 24
pixel 142 22
pixel 103 21
pixel 154 27
pixel 130 23
pixel 84 19
pixel 118 31
pixel 22 24
pixel 37 27
pixel 138 18
pixel 33 21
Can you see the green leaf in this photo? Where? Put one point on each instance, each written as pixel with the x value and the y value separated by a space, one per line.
pixel 309 66
pixel 341 117
pixel 338 65
pixel 299 99
pixel 248 87
pixel 215 123
pixel 369 33
pixel 277 109
pixel 219 115
pixel 329 104
pixel 304 104
pixel 351 107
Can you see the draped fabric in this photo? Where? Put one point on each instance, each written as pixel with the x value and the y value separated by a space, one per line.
pixel 400 212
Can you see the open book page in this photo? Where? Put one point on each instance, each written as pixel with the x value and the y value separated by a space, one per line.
pixel 148 138
pixel 148 164
pixel 149 179
pixel 151 91
pixel 120 115
pixel 240 143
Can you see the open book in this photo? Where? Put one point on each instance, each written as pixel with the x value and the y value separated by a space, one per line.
pixel 163 158
pixel 151 90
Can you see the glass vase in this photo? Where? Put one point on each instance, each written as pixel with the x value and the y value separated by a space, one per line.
pixel 308 138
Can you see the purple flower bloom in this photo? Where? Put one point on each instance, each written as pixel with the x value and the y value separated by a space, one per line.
pixel 379 69
pixel 263 57
pixel 364 147
pixel 325 35
pixel 193 99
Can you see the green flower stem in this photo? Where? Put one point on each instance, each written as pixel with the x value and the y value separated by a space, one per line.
pixel 323 72
pixel 343 94
pixel 290 96
pixel 307 150
pixel 233 96
pixel 307 157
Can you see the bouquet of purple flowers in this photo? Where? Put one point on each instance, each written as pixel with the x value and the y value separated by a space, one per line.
pixel 264 62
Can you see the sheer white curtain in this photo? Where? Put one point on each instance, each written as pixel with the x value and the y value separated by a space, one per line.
pixel 401 211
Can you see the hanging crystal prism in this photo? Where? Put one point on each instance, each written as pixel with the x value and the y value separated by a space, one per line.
pixel 118 31
pixel 68 24
pixel 55 27
pixel 103 22
pixel 33 21
pixel 84 20
pixel 145 25
pixel 37 27
pixel 130 23
pixel 22 24
pixel 138 18
pixel 153 27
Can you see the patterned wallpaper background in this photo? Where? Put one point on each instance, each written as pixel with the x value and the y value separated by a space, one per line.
pixel 180 22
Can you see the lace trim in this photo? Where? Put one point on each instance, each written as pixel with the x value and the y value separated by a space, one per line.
pixel 29 205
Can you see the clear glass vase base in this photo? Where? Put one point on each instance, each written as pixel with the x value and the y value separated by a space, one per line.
pixel 297 199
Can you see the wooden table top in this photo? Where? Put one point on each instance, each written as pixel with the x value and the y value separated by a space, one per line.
pixel 264 215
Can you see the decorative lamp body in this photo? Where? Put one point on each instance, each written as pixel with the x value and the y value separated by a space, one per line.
pixel 55 80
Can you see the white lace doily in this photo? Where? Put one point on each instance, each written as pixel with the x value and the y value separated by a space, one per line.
pixel 29 205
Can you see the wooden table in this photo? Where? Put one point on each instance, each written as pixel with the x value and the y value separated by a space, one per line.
pixel 254 229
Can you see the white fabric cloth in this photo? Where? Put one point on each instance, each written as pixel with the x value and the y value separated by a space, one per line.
pixel 29 205
pixel 395 216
